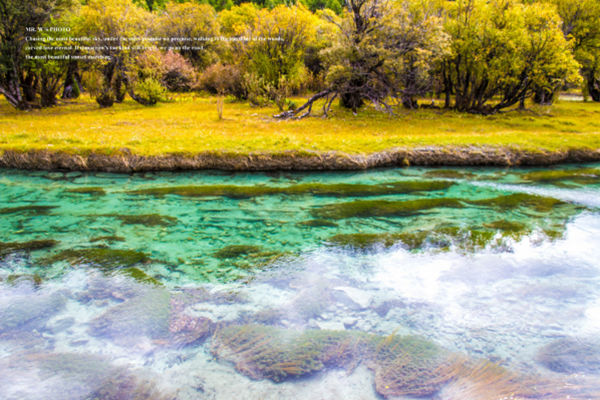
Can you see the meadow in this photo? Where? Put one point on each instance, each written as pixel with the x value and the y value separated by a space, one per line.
pixel 189 124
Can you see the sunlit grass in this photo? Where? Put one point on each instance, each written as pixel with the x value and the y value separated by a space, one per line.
pixel 190 124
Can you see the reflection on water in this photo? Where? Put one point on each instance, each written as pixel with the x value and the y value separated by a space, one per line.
pixel 435 284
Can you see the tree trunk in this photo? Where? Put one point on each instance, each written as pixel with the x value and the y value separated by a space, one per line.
pixel 593 86
pixel 72 86
pixel 410 102
pixel 29 85
pixel 543 96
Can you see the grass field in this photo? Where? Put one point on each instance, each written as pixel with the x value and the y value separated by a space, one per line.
pixel 189 124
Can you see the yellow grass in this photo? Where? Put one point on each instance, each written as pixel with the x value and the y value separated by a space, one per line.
pixel 190 124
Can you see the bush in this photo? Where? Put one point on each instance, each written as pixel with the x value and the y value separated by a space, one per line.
pixel 148 92
pixel 178 74
pixel 170 68
pixel 224 80
pixel 105 99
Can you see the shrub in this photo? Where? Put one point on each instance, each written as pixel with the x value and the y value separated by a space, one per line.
pixel 170 68
pixel 224 79
pixel 148 92
pixel 178 74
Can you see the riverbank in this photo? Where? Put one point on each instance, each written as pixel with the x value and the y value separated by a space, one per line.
pixel 297 161
pixel 186 134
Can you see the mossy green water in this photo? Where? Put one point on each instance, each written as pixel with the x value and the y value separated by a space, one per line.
pixel 221 226
pixel 388 285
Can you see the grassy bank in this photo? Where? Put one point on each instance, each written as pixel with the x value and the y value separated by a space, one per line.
pixel 189 125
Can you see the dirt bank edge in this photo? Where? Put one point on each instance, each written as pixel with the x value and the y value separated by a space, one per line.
pixel 293 160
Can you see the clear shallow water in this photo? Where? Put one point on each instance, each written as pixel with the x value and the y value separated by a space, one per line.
pixel 175 285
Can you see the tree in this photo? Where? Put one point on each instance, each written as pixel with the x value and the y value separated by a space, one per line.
pixel 188 21
pixel 501 51
pixel 270 45
pixel 382 50
pixel 581 23
pixel 111 25
pixel 17 80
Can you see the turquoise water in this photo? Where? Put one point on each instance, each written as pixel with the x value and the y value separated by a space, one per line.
pixel 174 285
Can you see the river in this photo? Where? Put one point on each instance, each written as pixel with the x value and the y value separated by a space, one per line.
pixel 440 284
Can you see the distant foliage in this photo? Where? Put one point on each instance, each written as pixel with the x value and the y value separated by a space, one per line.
pixel 581 25
pixel 481 55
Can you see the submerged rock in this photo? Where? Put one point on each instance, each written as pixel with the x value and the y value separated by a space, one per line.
pixel 442 237
pixel 582 175
pixel 94 191
pixel 403 366
pixel 32 245
pixel 265 352
pixel 105 259
pixel 29 210
pixel 448 173
pixel 315 189
pixel 76 376
pixel 26 313
pixel 139 276
pixel 112 238
pixel 383 208
pixel 570 355
pixel 149 220
pixel 515 200
pixel 146 314
pixel 155 314
pixel 237 250
pixel 317 223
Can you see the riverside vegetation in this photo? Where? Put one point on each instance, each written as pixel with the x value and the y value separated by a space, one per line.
pixel 188 126
pixel 459 59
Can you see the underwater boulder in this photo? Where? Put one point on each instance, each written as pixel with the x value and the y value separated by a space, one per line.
pixel 104 258
pixel 29 312
pixel 571 355
pixel 146 314
pixel 32 245
pixel 383 208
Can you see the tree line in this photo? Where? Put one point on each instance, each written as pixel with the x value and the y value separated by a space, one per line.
pixel 477 56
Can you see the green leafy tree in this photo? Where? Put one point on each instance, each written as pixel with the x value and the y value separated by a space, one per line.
pixel 19 78
pixel 501 51
pixel 382 50
pixel 112 25
pixel 581 24
pixel 272 45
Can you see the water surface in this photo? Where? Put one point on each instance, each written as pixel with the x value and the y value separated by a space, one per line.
pixel 287 285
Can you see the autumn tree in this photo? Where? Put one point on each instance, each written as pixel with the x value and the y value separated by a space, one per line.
pixel 181 23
